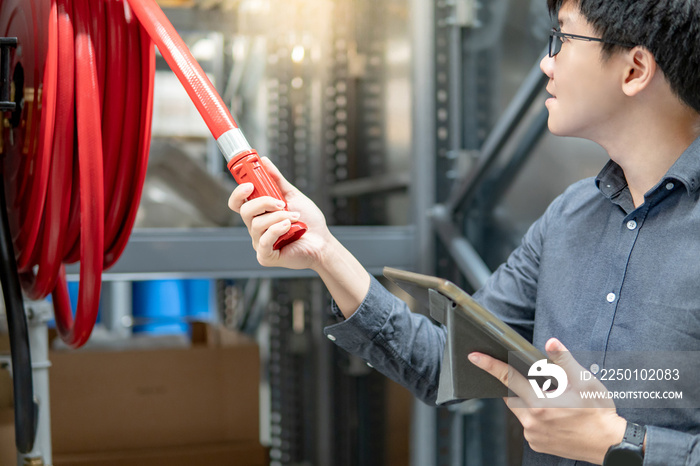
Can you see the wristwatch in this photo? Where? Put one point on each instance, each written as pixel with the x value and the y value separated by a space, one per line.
pixel 630 451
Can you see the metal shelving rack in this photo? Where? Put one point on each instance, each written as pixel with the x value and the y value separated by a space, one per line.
pixel 323 114
pixel 327 121
pixel 331 131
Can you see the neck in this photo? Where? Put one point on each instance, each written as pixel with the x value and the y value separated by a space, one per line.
pixel 649 145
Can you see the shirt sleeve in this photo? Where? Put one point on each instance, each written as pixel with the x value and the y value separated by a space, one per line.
pixel 666 446
pixel 408 347
pixel 405 346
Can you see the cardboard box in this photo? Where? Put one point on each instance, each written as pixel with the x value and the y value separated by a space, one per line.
pixel 8 455
pixel 6 389
pixel 186 406
pixel 216 336
pixel 399 408
pixel 122 401
pixel 4 337
pixel 5 379
pixel 238 454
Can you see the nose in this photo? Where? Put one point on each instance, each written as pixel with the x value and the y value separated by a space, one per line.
pixel 547 66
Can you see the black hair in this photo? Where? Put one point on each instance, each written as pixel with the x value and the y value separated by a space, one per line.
pixel 669 29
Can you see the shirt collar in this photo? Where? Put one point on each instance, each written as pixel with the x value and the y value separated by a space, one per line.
pixel 611 179
pixel 687 167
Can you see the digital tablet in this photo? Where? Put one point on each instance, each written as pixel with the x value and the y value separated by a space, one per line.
pixel 470 327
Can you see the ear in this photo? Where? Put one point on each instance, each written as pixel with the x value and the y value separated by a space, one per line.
pixel 639 71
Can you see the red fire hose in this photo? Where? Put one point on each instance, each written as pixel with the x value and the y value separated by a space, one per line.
pixel 216 115
pixel 75 153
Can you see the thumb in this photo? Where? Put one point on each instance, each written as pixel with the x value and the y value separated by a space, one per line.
pixel 561 356
pixel 285 186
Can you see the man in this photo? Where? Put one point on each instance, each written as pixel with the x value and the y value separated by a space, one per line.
pixel 610 266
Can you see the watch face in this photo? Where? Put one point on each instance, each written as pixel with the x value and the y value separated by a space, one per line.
pixel 623 457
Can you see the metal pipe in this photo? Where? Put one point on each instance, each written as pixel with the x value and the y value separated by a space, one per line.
pixel 466 187
pixel 465 256
pixel 324 376
pixel 423 137
pixel 117 312
pixel 38 315
pixel 520 156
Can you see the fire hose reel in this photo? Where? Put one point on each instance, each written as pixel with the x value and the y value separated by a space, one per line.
pixel 74 152
pixel 76 100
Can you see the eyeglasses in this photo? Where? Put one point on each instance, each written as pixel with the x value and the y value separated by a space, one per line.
pixel 556 39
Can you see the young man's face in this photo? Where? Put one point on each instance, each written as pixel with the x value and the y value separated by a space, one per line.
pixel 587 98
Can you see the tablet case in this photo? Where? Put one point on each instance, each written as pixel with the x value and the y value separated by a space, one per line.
pixel 470 328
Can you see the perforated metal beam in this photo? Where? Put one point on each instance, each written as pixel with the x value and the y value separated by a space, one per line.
pixel 227 253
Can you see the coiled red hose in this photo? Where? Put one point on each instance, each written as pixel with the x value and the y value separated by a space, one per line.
pixel 75 159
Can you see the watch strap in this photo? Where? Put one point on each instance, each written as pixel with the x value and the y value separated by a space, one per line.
pixel 630 451
pixel 634 434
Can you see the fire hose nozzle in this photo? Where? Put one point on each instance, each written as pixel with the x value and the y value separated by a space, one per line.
pixel 246 167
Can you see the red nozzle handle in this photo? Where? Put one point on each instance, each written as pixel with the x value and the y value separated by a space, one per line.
pixel 247 167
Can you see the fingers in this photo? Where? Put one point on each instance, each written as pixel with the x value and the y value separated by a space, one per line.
pixel 504 373
pixel 266 255
pixel 239 196
pixel 266 221
pixel 259 206
pixel 516 405
pixel 261 224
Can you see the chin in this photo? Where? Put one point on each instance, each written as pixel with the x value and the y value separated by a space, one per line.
pixel 554 122
pixel 553 127
pixel 559 129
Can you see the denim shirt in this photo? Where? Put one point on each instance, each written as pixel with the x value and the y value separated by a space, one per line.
pixel 594 272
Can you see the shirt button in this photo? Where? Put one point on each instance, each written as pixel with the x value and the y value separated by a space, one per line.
pixel 669 186
pixel 331 337
pixel 595 368
pixel 631 225
pixel 610 297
